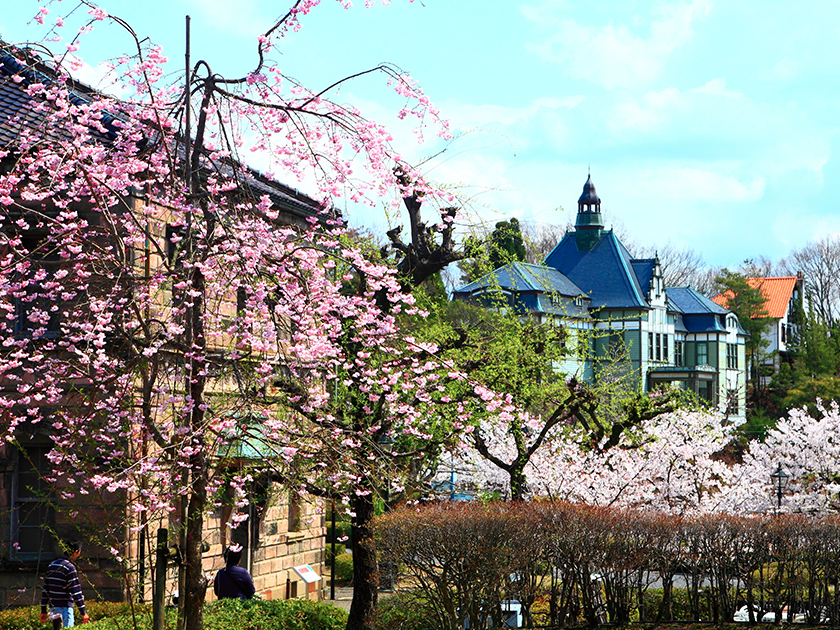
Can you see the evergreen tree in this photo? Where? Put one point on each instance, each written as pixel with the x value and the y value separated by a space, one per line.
pixel 815 368
pixel 748 303
pixel 506 244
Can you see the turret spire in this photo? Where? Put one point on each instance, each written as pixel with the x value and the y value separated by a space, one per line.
pixel 589 224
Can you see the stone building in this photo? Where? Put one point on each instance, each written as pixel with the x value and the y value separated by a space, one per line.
pixel 283 531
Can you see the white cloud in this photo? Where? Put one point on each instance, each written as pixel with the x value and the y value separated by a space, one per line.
pixel 715 87
pixel 99 76
pixel 699 185
pixel 646 116
pixel 785 69
pixel 615 55
pixel 469 116
pixel 242 17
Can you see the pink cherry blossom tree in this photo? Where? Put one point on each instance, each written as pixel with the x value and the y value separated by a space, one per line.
pixel 668 463
pixel 154 295
pixel 806 448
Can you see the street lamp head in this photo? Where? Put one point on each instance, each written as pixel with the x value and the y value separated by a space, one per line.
pixel 779 477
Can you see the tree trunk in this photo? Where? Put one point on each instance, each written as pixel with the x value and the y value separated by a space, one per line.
pixel 365 570
pixel 195 585
pixel 518 482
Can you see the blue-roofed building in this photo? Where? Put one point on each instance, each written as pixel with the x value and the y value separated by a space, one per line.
pixel 590 283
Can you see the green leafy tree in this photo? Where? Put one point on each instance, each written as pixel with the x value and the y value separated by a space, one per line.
pixel 747 302
pixel 522 357
pixel 815 368
pixel 504 245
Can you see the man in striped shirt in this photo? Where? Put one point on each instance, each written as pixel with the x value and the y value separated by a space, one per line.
pixel 62 588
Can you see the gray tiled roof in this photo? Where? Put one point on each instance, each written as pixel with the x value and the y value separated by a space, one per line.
pixel 18 112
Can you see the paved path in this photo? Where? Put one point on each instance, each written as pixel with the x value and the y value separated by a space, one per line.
pixel 343 597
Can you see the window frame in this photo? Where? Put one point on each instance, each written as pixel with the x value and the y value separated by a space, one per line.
pixel 41 256
pixel 705 346
pixel 44 505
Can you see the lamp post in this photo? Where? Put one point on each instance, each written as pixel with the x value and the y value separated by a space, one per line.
pixel 779 479
pixel 332 564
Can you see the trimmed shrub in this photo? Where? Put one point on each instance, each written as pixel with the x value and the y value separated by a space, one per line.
pixel 344 569
pixel 20 618
pixel 30 616
pixel 226 614
pixel 340 550
pixel 680 607
pixel 342 532
pixel 256 614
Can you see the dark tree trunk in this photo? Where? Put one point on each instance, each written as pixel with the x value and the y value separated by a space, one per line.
pixel 195 583
pixel 365 569
pixel 518 481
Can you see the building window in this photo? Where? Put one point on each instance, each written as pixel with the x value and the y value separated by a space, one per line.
pixel 658 347
pixel 783 333
pixel 33 518
pixel 174 247
pixel 702 353
pixel 665 348
pixel 732 356
pixel 650 346
pixel 678 352
pixel 37 314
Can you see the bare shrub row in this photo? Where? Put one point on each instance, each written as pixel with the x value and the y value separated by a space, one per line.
pixel 567 563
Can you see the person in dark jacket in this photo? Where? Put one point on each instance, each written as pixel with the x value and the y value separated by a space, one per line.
pixel 233 581
pixel 62 588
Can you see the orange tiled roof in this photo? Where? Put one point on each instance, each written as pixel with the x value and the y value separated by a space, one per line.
pixel 776 291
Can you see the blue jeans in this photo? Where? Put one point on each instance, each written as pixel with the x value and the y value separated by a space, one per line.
pixel 66 614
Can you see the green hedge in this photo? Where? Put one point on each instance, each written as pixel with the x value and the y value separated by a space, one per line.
pixel 227 614
pixel 30 616
pixel 292 614
pixel 342 532
pixel 344 569
pixel 340 550
pixel 680 606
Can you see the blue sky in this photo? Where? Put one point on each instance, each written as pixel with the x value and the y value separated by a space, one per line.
pixel 707 124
